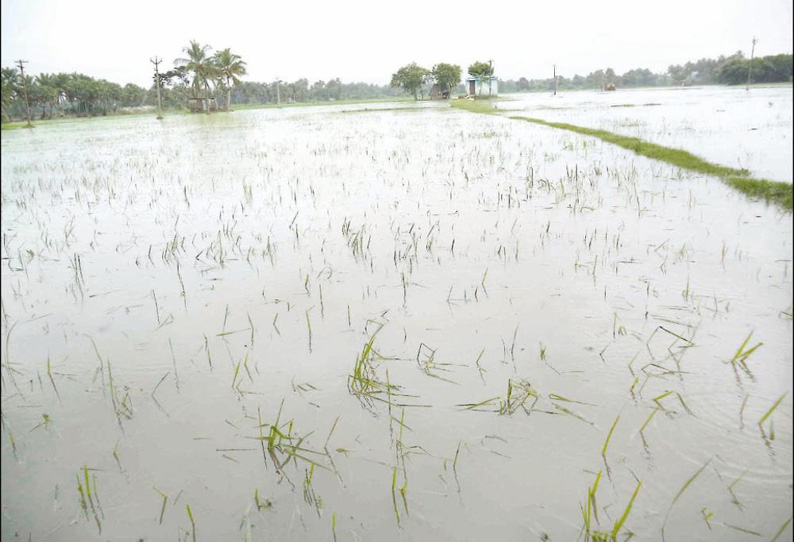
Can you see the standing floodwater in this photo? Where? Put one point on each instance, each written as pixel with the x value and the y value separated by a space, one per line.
pixel 417 324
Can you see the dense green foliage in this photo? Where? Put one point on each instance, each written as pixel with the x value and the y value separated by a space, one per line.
pixel 411 79
pixel 730 70
pixel 481 69
pixel 229 66
pixel 446 76
pixel 201 74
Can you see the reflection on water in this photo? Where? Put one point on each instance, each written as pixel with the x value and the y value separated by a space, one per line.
pixel 188 302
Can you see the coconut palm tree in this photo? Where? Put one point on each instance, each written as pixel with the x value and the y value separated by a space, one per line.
pixel 9 79
pixel 201 65
pixel 229 67
pixel 50 93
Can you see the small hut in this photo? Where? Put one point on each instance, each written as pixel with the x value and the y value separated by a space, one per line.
pixel 438 93
pixel 201 104
pixel 482 86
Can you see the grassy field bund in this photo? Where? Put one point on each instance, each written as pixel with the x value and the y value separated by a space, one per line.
pixel 776 192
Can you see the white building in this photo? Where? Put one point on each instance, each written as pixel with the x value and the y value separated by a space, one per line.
pixel 482 86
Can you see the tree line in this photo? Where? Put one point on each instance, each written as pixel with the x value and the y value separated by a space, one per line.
pixel 200 73
pixel 415 79
pixel 731 70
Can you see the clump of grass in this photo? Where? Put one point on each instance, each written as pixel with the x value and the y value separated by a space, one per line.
pixel 283 445
pixel 309 495
pixel 518 393
pixel 590 508
pixel 425 358
pixel 364 381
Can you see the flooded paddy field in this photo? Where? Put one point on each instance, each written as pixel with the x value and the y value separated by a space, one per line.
pixel 729 126
pixel 337 324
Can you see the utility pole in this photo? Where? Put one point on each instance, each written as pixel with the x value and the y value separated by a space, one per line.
pixel 490 78
pixel 156 61
pixel 750 67
pixel 555 79
pixel 25 89
pixel 278 91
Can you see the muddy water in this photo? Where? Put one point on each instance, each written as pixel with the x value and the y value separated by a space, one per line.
pixel 725 125
pixel 193 282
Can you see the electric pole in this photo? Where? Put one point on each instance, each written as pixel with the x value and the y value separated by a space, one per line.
pixel 25 89
pixel 278 91
pixel 750 67
pixel 156 61
pixel 555 79
pixel 490 78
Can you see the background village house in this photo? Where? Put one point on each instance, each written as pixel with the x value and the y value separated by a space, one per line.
pixel 200 104
pixel 482 86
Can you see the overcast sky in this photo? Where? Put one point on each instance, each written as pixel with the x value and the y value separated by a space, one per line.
pixel 365 40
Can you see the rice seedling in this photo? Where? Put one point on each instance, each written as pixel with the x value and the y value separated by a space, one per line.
pixel 590 508
pixel 569 412
pixel 83 502
pixel 173 358
pixel 425 358
pixel 165 500
pixel 192 522
pixel 309 495
pixel 620 522
pixel 741 529
pixel 393 494
pixel 156 307
pixel 648 420
pixel 479 367
pixel 707 515
pixel 734 498
pixel 260 504
pixel 274 324
pixel 518 393
pixel 364 383
pixel 741 355
pixel 781 530
pixel 474 406
pixel 609 436
pixel 309 327
pixel 52 381
pixel 11 440
pixel 681 492
pixel 769 413
pixel 116 455
pixel 158 384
